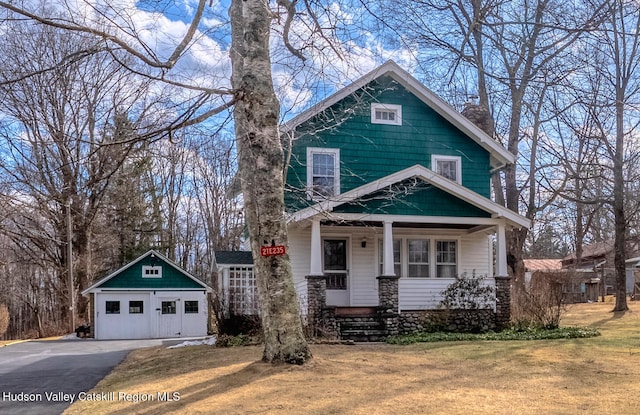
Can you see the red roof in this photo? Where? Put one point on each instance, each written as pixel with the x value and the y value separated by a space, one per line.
pixel 542 264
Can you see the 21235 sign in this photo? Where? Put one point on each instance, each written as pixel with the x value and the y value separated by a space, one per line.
pixel 272 250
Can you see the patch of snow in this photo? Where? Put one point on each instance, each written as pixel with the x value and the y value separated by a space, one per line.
pixel 70 336
pixel 210 341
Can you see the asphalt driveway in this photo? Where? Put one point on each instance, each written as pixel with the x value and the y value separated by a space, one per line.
pixel 43 377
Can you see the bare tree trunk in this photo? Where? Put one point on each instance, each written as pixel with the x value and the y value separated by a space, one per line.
pixel 619 246
pixel 260 164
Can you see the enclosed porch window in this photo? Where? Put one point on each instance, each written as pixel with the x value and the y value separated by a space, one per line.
pixel 422 257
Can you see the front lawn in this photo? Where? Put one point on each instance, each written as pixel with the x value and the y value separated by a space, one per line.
pixel 563 376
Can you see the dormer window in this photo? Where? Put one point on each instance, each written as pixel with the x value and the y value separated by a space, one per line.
pixel 151 271
pixel 447 166
pixel 386 114
pixel 323 173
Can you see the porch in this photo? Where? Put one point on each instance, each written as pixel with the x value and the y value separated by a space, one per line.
pixel 343 294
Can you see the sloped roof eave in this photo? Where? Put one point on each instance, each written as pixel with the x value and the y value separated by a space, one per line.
pixel 499 155
pixel 425 174
pixel 98 283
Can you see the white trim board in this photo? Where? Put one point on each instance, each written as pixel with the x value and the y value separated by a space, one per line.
pixel 497 211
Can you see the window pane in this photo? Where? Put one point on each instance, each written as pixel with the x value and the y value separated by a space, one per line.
pixel 136 307
pixel 447 168
pixel 323 186
pixel 168 307
pixel 335 255
pixel 420 271
pixel 323 164
pixel 418 250
pixel 190 307
pixel 112 307
pixel 447 271
pixel 446 252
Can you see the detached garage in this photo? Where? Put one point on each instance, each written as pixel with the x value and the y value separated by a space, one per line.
pixel 150 297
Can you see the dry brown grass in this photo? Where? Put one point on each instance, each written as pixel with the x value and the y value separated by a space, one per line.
pixel 580 376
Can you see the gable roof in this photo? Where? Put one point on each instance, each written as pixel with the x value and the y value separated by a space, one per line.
pixel 234 257
pixel 499 155
pixel 424 174
pixel 131 264
pixel 594 250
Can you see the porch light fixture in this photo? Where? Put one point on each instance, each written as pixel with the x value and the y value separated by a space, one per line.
pixel 363 243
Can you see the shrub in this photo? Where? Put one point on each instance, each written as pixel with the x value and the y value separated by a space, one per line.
pixel 468 293
pixel 226 340
pixel 543 304
pixel 506 335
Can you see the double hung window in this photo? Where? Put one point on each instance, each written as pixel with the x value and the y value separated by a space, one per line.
pixel 447 166
pixel 323 172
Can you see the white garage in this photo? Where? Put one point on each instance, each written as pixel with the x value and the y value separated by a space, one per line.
pixel 150 297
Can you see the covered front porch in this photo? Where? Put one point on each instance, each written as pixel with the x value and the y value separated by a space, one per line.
pixel 363 266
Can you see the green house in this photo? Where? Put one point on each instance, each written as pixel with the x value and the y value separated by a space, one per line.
pixel 151 297
pixel 388 201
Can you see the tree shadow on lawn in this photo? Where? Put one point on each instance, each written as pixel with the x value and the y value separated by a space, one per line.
pixel 204 390
pixel 271 390
pixel 613 316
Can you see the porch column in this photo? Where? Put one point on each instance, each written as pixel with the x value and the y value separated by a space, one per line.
pixel 315 266
pixel 503 281
pixel 501 248
pixel 387 258
pixel 388 302
pixel 316 282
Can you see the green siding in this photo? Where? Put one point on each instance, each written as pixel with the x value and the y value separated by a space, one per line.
pixel 413 199
pixel 131 277
pixel 371 151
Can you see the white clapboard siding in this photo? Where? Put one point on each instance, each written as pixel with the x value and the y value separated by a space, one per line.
pixel 475 255
pixel 299 253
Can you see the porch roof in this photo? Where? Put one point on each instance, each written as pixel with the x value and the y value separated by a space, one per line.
pixel 428 176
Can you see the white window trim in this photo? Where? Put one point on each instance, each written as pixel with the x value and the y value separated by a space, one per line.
pixel 146 268
pixel 336 160
pixel 433 244
pixel 397 109
pixel 438 157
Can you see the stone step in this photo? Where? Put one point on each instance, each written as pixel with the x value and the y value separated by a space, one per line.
pixel 363 335
pixel 365 325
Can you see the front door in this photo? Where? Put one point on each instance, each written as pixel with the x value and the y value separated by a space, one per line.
pixel 169 317
pixel 335 263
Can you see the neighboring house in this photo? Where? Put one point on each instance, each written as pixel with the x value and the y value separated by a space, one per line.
pixel 237 291
pixel 597 261
pixel 578 286
pixel 532 266
pixel 633 277
pixel 151 297
pixel 388 201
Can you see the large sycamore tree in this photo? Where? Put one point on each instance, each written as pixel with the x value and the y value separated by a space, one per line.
pixel 261 164
pixel 256 116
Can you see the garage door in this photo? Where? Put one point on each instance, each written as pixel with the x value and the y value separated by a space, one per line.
pixel 123 316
